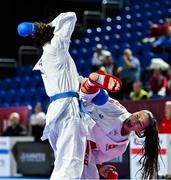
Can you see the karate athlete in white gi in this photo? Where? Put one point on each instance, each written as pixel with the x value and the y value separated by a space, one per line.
pixel 64 129
pixel 114 125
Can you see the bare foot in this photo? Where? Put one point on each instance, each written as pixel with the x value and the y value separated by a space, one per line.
pixel 111 83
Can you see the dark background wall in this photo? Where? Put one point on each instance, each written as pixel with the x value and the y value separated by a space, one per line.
pixel 13 12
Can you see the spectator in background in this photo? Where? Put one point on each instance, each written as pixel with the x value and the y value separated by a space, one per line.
pixel 37 122
pixel 138 92
pixel 129 71
pixel 99 57
pixel 158 83
pixel 15 128
pixel 169 81
pixel 165 123
pixel 157 30
pixel 109 66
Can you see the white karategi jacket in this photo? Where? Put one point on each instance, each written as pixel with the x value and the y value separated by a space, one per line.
pixel 109 119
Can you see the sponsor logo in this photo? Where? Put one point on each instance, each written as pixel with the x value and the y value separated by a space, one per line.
pixel 33 157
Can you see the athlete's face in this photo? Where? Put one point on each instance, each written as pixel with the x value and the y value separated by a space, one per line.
pixel 138 121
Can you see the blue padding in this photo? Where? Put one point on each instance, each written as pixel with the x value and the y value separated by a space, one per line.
pixel 101 98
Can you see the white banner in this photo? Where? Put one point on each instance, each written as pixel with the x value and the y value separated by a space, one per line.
pixel 8 165
pixel 136 152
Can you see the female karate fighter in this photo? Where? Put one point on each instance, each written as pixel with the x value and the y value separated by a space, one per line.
pixel 114 125
pixel 65 130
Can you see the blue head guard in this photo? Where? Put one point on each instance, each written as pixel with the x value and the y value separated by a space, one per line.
pixel 25 29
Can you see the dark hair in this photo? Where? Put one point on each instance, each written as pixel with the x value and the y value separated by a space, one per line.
pixel 43 33
pixel 149 160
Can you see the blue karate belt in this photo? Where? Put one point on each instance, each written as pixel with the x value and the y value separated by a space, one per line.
pixel 64 95
pixel 69 94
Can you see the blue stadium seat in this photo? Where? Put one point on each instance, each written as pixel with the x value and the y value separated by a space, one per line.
pixel 168 12
pixel 127 27
pixel 29 70
pixel 74 53
pixel 90 52
pixel 123 46
pixel 29 95
pixel 10 96
pixel 98 32
pixel 40 94
pixel 2 96
pixel 85 42
pixel 146 47
pixel 89 33
pixel 128 18
pixel 94 41
pixel 86 72
pixel 107 30
pixel 146 59
pixel 80 64
pixel 118 28
pixel 15 83
pixel 136 47
pixel 137 26
pixel 107 22
pixel 116 38
pixel 25 82
pixel 136 17
pixel 5 83
pixel 19 96
pixel 15 104
pixel 5 104
pixel 105 40
pixel 82 53
pixel 77 43
pixel 115 50
pixel 126 37
pixel 20 71
pixel 136 8
pixel 35 81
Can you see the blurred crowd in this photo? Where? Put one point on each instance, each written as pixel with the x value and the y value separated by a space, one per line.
pixel 128 69
pixel 35 126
